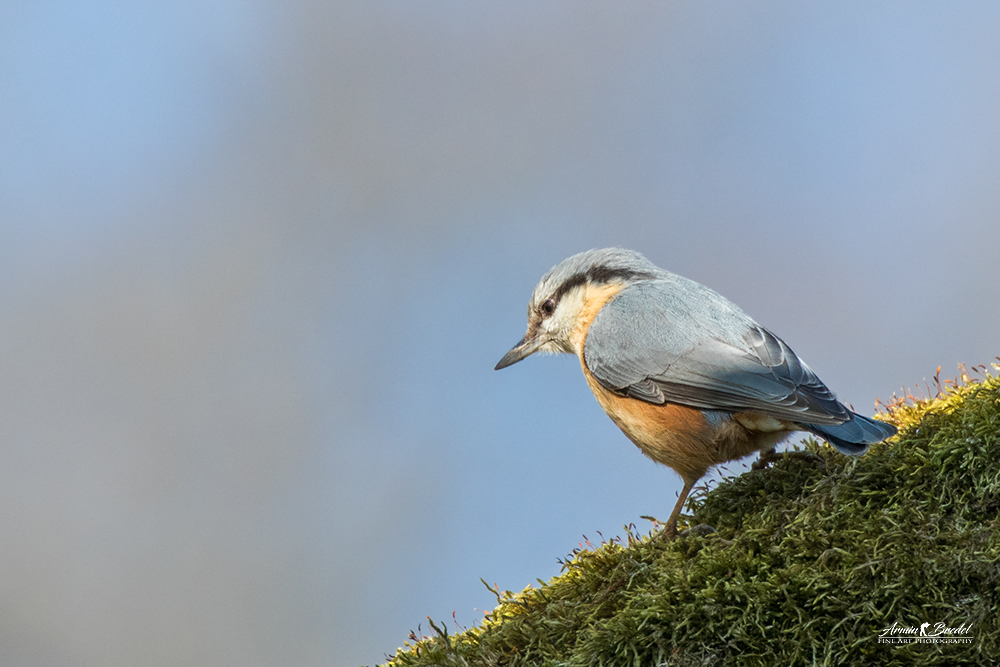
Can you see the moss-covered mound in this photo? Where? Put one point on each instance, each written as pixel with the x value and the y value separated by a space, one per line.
pixel 810 565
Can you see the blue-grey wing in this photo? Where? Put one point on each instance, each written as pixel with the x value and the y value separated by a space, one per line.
pixel 680 342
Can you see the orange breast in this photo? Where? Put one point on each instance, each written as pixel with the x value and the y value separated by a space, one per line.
pixel 671 434
pixel 675 435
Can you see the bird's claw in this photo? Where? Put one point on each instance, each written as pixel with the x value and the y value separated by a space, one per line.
pixel 701 530
pixel 769 457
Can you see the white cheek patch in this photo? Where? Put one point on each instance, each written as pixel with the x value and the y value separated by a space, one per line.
pixel 567 312
pixel 558 329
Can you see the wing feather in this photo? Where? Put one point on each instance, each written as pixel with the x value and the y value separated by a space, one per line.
pixel 676 341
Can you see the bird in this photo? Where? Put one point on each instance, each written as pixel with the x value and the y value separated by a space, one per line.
pixel 691 379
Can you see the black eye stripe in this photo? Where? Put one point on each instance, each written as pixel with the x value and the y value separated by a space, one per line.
pixel 600 275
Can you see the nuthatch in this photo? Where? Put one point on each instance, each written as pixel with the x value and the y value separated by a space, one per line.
pixel 690 378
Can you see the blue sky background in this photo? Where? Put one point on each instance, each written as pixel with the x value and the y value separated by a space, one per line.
pixel 257 261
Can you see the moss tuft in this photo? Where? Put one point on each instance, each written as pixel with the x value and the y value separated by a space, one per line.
pixel 811 561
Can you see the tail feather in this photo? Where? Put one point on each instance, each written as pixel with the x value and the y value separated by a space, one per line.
pixel 853 437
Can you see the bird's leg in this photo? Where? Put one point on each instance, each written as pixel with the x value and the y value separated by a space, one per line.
pixel 769 456
pixel 669 531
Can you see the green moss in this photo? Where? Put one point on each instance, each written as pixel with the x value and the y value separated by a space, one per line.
pixel 810 563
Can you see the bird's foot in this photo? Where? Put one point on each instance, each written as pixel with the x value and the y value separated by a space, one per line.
pixel 669 532
pixel 701 530
pixel 771 456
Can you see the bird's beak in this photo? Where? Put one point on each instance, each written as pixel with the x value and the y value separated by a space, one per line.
pixel 528 345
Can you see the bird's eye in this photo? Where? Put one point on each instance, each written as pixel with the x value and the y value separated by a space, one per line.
pixel 547 308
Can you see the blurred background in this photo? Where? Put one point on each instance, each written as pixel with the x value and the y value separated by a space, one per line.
pixel 258 259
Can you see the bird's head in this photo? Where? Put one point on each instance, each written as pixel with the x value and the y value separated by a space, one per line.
pixel 564 296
